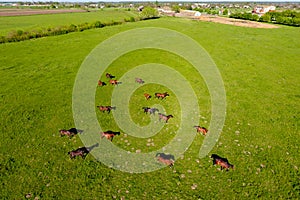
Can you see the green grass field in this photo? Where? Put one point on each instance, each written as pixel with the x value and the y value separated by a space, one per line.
pixel 32 22
pixel 260 70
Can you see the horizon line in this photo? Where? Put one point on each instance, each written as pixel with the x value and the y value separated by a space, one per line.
pixel 135 1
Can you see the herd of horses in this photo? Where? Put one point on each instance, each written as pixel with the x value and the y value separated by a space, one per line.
pixel 166 159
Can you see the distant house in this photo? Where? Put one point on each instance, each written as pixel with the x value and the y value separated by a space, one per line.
pixel 166 11
pixel 141 8
pixel 94 5
pixel 261 10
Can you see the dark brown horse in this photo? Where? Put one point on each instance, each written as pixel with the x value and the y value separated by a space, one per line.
pixel 106 108
pixel 109 135
pixel 71 132
pixel 201 129
pixel 108 75
pixel 147 96
pixel 82 151
pixel 164 117
pixel 161 95
pixel 223 162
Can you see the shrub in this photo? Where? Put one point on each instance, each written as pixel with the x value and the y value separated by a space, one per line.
pixel 265 18
pixel 72 28
pixel 3 39
pixel 149 13
pixel 98 24
pixel 132 19
pixel 82 27
pixel 225 12
pixel 19 32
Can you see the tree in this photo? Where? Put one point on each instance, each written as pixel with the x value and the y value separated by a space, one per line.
pixel 176 8
pixel 149 13
pixel 265 18
pixel 225 12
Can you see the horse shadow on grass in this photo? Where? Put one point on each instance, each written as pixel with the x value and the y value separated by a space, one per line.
pixel 166 156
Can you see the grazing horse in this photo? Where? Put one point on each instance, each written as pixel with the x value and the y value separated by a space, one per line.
pixel 106 108
pixel 223 162
pixel 139 80
pixel 161 95
pixel 150 110
pixel 165 159
pixel 71 132
pixel 147 96
pixel 108 75
pixel 146 109
pixel 114 82
pixel 100 83
pixel 164 117
pixel 82 151
pixel 201 129
pixel 109 135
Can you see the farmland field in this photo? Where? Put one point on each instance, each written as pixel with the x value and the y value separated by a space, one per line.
pixel 260 69
pixel 31 22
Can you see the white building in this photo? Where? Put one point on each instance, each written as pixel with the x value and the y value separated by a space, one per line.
pixel 260 10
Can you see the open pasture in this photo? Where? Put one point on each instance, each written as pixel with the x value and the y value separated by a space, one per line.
pixel 260 70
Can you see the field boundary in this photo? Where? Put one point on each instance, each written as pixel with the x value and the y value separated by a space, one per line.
pixel 20 12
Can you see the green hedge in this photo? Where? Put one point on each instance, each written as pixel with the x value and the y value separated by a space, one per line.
pixel 288 17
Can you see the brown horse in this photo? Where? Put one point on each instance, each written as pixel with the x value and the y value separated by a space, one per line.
pixel 106 108
pixel 164 117
pixel 108 75
pixel 201 129
pixel 165 159
pixel 109 135
pixel 114 82
pixel 147 96
pixel 139 80
pixel 223 162
pixel 161 95
pixel 100 83
pixel 71 132
pixel 82 151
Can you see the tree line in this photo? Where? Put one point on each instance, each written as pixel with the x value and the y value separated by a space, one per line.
pixel 287 17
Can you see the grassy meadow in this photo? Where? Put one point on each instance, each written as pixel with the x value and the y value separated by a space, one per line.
pixel 260 70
